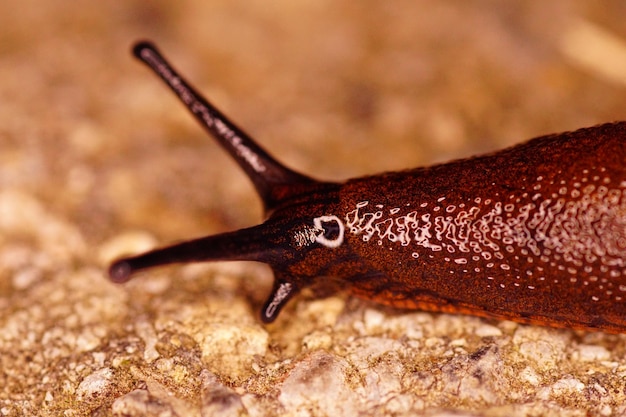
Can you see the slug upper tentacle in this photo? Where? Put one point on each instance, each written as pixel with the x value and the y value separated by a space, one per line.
pixel 268 175
pixel 535 233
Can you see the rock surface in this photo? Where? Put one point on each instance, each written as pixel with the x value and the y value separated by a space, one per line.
pixel 97 159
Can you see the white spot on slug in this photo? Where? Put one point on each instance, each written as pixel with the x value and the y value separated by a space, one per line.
pixel 322 239
pixel 579 228
pixel 306 236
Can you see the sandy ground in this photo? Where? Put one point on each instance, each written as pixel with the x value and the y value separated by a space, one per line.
pixel 97 159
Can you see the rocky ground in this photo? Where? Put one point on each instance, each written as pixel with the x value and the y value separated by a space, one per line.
pixel 98 159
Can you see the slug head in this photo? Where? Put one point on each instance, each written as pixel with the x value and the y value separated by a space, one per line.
pixel 299 239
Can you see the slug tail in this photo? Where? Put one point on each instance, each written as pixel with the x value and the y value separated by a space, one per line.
pixel 267 174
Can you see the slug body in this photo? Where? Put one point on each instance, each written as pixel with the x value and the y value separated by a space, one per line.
pixel 535 233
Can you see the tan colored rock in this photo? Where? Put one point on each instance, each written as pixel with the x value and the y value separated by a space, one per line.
pixel 97 159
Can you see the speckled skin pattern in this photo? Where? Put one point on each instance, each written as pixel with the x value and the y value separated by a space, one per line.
pixel 535 233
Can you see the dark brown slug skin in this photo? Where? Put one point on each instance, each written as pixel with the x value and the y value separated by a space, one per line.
pixel 535 233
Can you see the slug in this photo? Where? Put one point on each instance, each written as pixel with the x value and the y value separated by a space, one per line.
pixel 535 233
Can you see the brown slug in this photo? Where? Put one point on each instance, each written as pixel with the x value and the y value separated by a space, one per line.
pixel 535 233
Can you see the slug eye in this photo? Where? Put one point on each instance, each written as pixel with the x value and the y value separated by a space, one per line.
pixel 332 231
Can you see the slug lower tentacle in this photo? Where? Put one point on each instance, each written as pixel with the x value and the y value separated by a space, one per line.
pixel 535 233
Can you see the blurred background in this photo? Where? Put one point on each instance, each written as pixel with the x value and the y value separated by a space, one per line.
pixel 97 157
pixel 334 89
